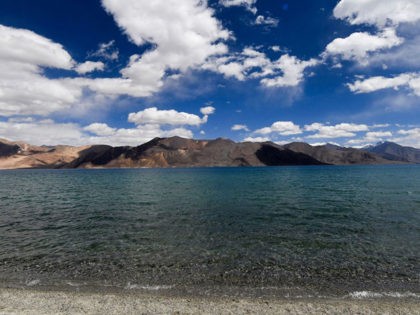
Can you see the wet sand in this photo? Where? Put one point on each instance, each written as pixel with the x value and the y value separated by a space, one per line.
pixel 19 301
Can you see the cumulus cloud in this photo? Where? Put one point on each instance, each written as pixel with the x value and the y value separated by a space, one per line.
pixel 131 136
pixel 165 117
pixel 239 127
pixel 408 137
pixel 100 129
pixel 89 66
pixel 149 123
pixel 343 130
pixel 183 34
pixel 24 90
pixel 251 63
pixel 42 132
pixel 375 49
pixel 410 80
pixel 292 70
pixel 405 55
pixel 208 110
pixel 248 4
pixel 358 45
pixel 284 128
pixel 378 12
pixel 371 138
pixel 28 48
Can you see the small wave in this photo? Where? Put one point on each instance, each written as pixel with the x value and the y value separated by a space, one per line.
pixel 75 284
pixel 370 294
pixel 32 282
pixel 130 286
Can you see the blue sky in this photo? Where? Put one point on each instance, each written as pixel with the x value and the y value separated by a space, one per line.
pixel 122 72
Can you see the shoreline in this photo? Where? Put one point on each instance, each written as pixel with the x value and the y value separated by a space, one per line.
pixel 30 301
pixel 397 163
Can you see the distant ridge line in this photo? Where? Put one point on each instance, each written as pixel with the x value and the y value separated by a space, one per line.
pixel 182 152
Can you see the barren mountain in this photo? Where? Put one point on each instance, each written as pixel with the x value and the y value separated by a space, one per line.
pixel 180 152
pixel 332 154
pixel 22 155
pixel 395 152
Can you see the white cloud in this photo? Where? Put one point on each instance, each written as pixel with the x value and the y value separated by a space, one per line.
pixel 292 70
pixel 267 21
pixel 232 69
pixel 165 117
pixel 410 80
pixel 405 55
pixel 380 126
pixel 24 90
pixel 387 17
pixel 408 137
pixel 149 126
pixel 100 129
pixel 358 45
pixel 409 132
pixel 343 130
pixel 150 123
pixel 378 134
pixel 24 47
pixel 184 35
pixel 90 66
pixel 106 51
pixel 208 110
pixel 39 132
pixel 370 137
pixel 250 63
pixel 257 139
pixel 239 127
pixel 284 128
pixel 249 4
pixel 378 12
pixel 133 136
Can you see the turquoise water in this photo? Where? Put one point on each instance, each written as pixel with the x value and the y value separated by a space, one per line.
pixel 280 230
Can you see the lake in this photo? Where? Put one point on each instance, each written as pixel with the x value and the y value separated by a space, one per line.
pixel 271 231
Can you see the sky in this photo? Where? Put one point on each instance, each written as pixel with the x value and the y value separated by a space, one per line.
pixel 122 72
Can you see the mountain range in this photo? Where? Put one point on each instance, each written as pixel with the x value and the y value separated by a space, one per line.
pixel 181 152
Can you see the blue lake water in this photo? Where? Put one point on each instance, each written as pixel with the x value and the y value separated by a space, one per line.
pixel 275 230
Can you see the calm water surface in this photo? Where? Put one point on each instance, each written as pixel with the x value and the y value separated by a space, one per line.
pixel 286 230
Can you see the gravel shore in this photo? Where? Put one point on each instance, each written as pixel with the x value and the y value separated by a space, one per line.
pixel 14 301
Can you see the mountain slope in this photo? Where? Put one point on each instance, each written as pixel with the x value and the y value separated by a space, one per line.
pixel 181 152
pixel 22 155
pixel 395 152
pixel 332 154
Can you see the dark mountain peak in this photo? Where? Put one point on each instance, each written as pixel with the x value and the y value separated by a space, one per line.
pixel 8 149
pixel 274 156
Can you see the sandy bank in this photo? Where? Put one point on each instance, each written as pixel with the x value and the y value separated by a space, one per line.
pixel 37 302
